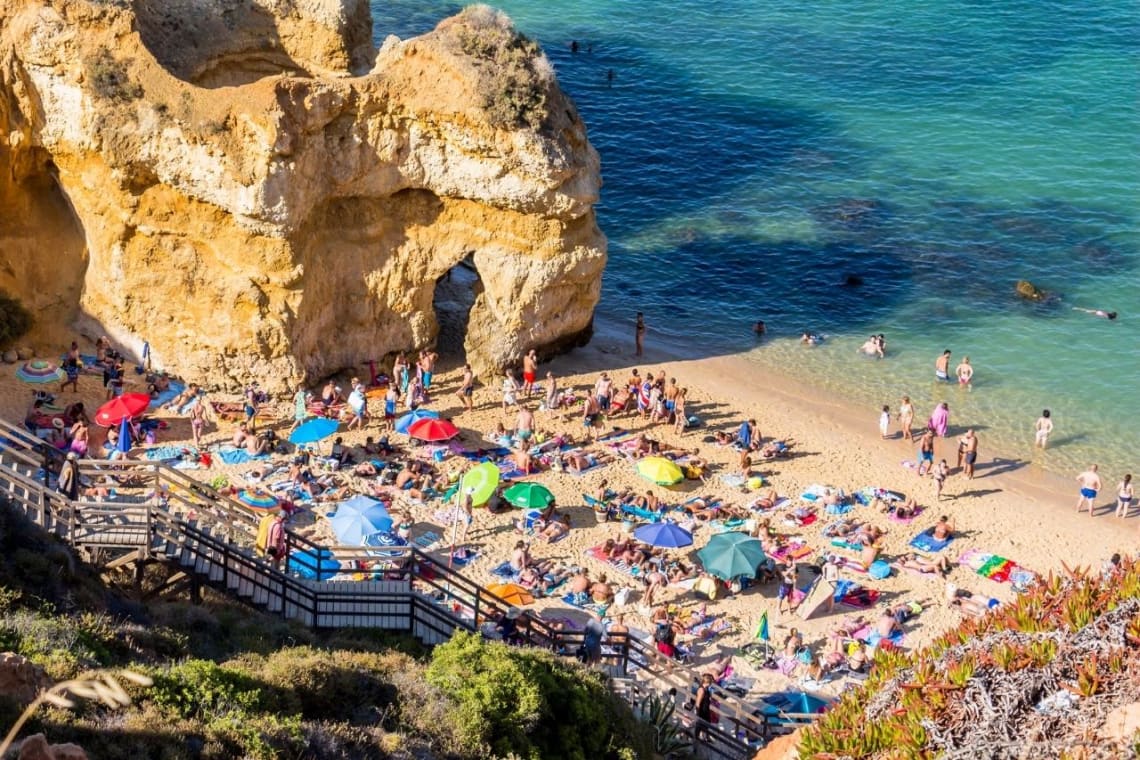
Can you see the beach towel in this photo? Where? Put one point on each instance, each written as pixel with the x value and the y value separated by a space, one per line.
pixel 170 452
pixel 187 464
pixel 789 552
pixel 640 513
pixel 813 492
pixel 732 480
pixel 905 520
pixel 856 596
pixel 838 509
pixel 238 456
pixel 850 563
pixel 426 540
pixel 843 543
pixel 505 571
pixel 447 516
pixel 926 542
pixel 875 639
pixel 780 502
pixel 707 629
pixel 508 470
pixel 466 558
pixel 801 521
pixel 553 590
pixel 866 495
pixel 166 396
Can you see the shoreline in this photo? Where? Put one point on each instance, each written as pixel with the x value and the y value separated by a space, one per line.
pixel 1029 479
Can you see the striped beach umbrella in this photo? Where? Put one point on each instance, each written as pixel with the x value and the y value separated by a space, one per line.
pixel 257 499
pixel 39 372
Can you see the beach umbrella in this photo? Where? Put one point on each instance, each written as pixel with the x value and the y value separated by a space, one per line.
pixel 357 518
pixel 385 539
pixel 125 407
pixel 256 499
pixel 660 470
pixel 480 482
pixel 305 563
pixel 529 495
pixel 666 534
pixel 731 555
pixel 511 593
pixel 413 417
pixel 314 430
pixel 429 429
pixel 39 372
pixel 124 442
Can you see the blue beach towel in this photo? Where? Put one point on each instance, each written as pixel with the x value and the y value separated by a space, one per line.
pixel 426 540
pixel 170 452
pixel 168 395
pixel 641 513
pixel 926 542
pixel 504 571
pixel 238 456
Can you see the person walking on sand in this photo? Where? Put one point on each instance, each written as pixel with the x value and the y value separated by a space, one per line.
pixel 942 366
pixel 964 371
pixel 1042 429
pixel 639 334
pixel 906 418
pixel 968 453
pixel 1124 496
pixel 530 371
pixel 1090 485
pixel 885 421
pixel 941 472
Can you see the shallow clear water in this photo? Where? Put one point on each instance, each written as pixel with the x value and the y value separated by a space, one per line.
pixel 755 154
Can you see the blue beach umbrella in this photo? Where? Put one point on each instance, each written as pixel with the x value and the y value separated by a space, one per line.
pixel 358 518
pixel 314 430
pixel 314 564
pixel 124 444
pixel 385 540
pixel 413 417
pixel 666 534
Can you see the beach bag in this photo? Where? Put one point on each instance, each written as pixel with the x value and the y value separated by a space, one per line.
pixel 879 570
pixel 621 596
pixel 663 633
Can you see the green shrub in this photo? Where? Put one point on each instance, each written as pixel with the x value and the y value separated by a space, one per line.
pixel 530 703
pixel 15 320
pixel 328 685
pixel 110 78
pixel 204 690
pixel 514 74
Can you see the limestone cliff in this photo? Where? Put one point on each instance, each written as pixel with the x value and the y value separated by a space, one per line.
pixel 252 188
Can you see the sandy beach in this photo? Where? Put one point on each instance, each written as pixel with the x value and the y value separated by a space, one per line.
pixel 1020 513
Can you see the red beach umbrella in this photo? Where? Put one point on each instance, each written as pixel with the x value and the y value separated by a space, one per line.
pixel 124 407
pixel 433 430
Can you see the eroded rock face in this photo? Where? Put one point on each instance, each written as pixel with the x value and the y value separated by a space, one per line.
pixel 20 678
pixel 215 178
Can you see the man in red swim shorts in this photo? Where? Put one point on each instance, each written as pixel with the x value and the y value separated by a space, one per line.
pixel 530 371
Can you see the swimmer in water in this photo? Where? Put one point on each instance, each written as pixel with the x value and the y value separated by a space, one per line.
pixel 759 328
pixel 1097 312
pixel 811 339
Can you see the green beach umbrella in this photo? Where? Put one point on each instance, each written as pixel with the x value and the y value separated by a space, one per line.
pixel 480 481
pixel 731 555
pixel 529 495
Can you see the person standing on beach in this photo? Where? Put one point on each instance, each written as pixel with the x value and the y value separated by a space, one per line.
pixel 968 453
pixel 939 420
pixel 1042 429
pixel 1124 496
pixel 680 420
pixel 466 390
pixel 942 366
pixel 530 371
pixel 964 371
pixel 906 418
pixel 941 472
pixel 1090 485
pixel 926 452
pixel 510 390
pixel 885 421
pixel 639 334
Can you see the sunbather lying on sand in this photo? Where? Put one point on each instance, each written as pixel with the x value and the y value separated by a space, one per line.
pixel 906 510
pixel 912 561
pixel 556 529
pixel 776 449
pixel 943 529
pixel 579 460
pixel 766 500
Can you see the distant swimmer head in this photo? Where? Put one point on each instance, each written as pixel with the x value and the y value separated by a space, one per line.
pixel 1111 315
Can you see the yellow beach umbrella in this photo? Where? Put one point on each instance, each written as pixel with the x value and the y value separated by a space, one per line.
pixel 660 470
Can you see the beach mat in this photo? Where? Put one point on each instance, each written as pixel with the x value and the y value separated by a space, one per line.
pixel 926 542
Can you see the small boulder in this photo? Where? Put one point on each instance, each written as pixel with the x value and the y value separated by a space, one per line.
pixel 1122 723
pixel 11 357
pixel 1029 291
pixel 20 678
pixel 36 747
pixel 25 353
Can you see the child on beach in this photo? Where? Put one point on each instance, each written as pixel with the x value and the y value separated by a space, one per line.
pixel 885 421
pixel 941 472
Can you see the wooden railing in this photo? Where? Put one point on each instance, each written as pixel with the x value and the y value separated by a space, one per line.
pixel 160 512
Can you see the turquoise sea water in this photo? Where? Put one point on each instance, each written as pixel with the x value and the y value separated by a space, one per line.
pixel 755 154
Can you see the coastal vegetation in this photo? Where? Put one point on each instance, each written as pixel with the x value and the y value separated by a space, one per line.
pixel 1043 673
pixel 514 74
pixel 217 681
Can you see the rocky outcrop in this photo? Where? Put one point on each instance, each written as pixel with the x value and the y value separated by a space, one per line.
pixel 1030 292
pixel 251 188
pixel 20 678
pixel 36 747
